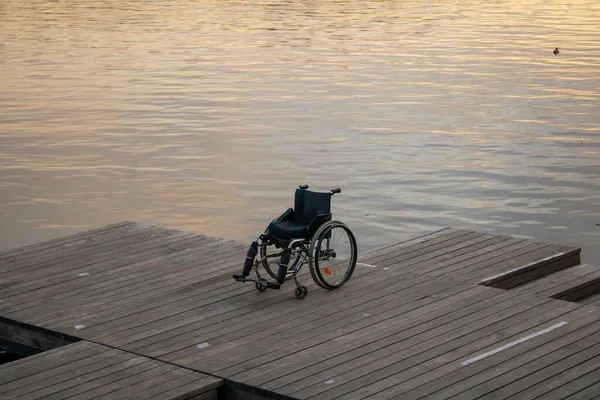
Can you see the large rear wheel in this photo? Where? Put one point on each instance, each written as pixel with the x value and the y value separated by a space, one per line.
pixel 332 255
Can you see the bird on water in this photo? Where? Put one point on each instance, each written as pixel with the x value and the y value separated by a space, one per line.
pixel 556 51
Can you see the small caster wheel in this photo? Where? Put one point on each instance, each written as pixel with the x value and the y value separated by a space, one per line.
pixel 260 287
pixel 301 292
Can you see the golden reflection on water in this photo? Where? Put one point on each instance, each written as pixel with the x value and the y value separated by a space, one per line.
pixel 205 115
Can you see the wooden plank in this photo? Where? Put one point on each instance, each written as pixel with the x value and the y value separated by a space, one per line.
pixel 42 361
pixel 200 388
pixel 105 372
pixel 51 271
pixel 592 300
pixel 449 321
pixel 578 289
pixel 66 306
pixel 70 240
pixel 193 389
pixel 123 301
pixel 101 268
pixel 172 381
pixel 139 383
pixel 504 262
pixel 351 336
pixel 407 250
pixel 133 312
pixel 483 371
pixel 377 382
pixel 242 316
pixel 398 384
pixel 161 273
pixel 406 243
pixel 590 392
pixel 30 265
pixel 38 287
pixel 439 245
pixel 529 256
pixel 551 260
pixel 348 320
pixel 66 388
pixel 573 381
pixel 392 331
pixel 375 376
pixel 432 255
pixel 547 284
pixel 469 253
pixel 208 300
pixel 460 254
pixel 140 252
pixel 541 269
pixel 212 395
pixel 482 257
pixel 63 372
pixel 131 261
pixel 108 380
pixel 146 320
pixel 502 383
pixel 535 384
pixel 250 305
pixel 193 313
pixel 304 319
pixel 418 249
pixel 227 363
pixel 168 325
pixel 32 337
pixel 451 379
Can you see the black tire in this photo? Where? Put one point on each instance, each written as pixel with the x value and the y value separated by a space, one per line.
pixel 301 292
pixel 332 255
pixel 273 266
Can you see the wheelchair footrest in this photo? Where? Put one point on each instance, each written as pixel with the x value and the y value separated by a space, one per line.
pixel 263 282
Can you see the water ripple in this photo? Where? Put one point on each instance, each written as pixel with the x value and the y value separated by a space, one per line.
pixel 206 115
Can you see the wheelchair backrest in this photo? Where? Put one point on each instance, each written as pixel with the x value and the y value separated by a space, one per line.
pixel 307 205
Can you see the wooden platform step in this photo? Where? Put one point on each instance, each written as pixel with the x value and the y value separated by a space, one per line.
pixel 579 288
pixel 593 300
pixel 545 261
pixel 86 370
pixel 576 284
pixel 550 285
pixel 499 261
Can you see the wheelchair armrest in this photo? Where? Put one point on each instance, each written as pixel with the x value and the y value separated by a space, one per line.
pixel 286 216
pixel 316 223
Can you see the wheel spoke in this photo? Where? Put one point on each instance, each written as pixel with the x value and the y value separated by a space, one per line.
pixel 334 256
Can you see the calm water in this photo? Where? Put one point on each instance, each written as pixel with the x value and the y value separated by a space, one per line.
pixel 205 115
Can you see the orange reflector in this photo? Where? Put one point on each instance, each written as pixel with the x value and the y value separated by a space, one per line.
pixel 327 270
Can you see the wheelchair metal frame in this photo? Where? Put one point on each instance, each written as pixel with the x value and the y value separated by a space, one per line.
pixel 301 252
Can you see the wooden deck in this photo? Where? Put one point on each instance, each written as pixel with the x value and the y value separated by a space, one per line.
pixel 87 370
pixel 440 316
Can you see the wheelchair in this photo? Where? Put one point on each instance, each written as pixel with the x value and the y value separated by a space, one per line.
pixel 305 234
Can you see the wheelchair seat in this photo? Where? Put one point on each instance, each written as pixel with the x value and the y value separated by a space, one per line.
pixel 311 210
pixel 288 229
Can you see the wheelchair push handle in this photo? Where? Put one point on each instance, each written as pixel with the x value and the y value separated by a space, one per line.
pixel 332 191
